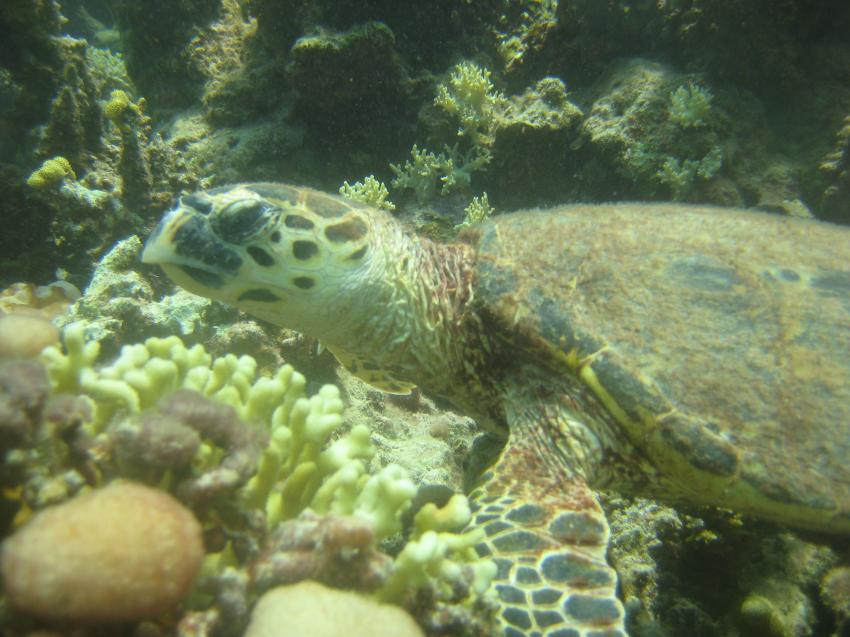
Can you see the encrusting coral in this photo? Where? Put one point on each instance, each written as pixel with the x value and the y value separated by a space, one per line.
pixel 51 173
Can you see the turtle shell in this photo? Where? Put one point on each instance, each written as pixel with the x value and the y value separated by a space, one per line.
pixel 718 340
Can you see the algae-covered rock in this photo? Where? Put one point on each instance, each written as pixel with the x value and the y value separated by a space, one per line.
pixel 351 87
pixel 155 36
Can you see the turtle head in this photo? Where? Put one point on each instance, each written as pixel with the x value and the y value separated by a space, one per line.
pixel 292 256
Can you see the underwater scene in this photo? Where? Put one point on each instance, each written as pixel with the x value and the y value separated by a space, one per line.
pixel 467 318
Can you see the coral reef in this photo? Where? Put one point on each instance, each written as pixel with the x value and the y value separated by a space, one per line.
pixel 110 112
pixel 155 37
pixel 835 592
pixel 262 465
pixel 351 87
pixel 48 301
pixel 656 130
pixel 836 168
pixel 714 575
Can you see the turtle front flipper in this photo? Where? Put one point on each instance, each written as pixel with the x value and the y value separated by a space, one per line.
pixel 370 372
pixel 548 536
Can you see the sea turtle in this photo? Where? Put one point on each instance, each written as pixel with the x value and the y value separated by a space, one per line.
pixel 683 352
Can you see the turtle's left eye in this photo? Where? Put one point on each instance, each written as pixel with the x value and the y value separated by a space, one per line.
pixel 242 219
pixel 199 202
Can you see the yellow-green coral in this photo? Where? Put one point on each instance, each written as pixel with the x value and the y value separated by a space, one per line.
pixel 469 96
pixel 118 104
pixel 477 211
pixel 51 173
pixel 370 191
pixel 690 105
pixel 437 552
pixel 425 171
pixel 298 469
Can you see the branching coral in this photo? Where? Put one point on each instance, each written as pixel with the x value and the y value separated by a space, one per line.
pixel 469 101
pixel 690 106
pixel 370 191
pixel 425 171
pixel 469 96
pixel 108 70
pixel 478 210
pixel 658 130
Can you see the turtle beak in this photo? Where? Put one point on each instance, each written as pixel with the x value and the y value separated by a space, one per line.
pixel 159 248
pixel 188 250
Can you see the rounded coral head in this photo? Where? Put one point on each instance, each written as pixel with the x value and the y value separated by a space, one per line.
pixel 119 553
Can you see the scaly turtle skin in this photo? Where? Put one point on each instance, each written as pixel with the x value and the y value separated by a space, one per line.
pixel 690 353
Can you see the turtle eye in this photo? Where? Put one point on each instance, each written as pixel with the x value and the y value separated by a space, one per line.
pixel 241 220
pixel 197 201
